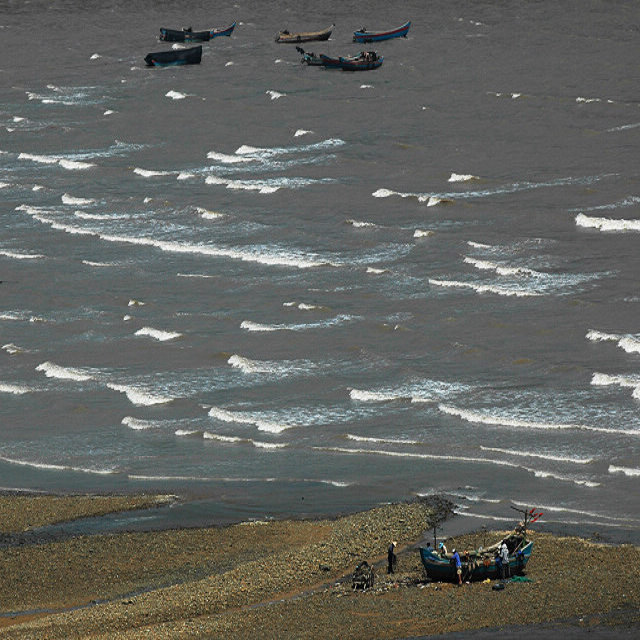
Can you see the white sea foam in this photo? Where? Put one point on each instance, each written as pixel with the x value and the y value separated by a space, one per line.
pixel 629 343
pixel 75 165
pixel 175 95
pixel 303 306
pixel 301 132
pixel 627 471
pixel 261 255
pixel 438 198
pixel 56 467
pixel 157 334
pixel 38 158
pixel 462 177
pixel 624 127
pixel 607 224
pixel 186 432
pixel 72 200
pixel 485 288
pixel 268 445
pixel 375 396
pixel 535 454
pixel 623 381
pixel 21 256
pixel 91 216
pixel 12 349
pixel 209 215
pixel 227 158
pixel 138 396
pixel 350 436
pixel 433 201
pixel 148 173
pixel 248 325
pixel 508 421
pixel 13 389
pixel 135 303
pixel 274 95
pixel 359 223
pixel 246 365
pixel 136 424
pixel 481 516
pixel 244 418
pixel 265 186
pixel 478 245
pixel 214 436
pixel 376 271
pixel 486 265
pixel 420 233
pixel 269 152
pixel 52 370
pixel 581 512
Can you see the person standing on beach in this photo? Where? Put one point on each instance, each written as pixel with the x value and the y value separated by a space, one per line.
pixel 499 566
pixel 456 559
pixel 504 553
pixel 391 556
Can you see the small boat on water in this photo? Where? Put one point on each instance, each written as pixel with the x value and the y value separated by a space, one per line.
pixel 360 62
pixel 304 36
pixel 364 61
pixel 374 36
pixel 174 57
pixel 310 58
pixel 188 35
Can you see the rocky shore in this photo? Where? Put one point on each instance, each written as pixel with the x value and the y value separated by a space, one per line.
pixel 289 579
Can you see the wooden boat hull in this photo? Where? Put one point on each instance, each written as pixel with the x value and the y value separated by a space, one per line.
pixel 184 35
pixel 330 63
pixel 304 36
pixel 175 57
pixel 441 570
pixel 360 64
pixel 375 36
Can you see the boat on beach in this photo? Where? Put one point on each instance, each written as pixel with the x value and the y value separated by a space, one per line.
pixel 478 564
pixel 188 35
pixel 373 36
pixel 304 36
pixel 174 57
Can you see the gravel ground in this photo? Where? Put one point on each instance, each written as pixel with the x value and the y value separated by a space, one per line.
pixel 291 579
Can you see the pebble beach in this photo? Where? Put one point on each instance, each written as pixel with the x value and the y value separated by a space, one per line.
pixel 288 579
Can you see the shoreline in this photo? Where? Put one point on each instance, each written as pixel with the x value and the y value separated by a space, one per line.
pixel 290 578
pixel 135 504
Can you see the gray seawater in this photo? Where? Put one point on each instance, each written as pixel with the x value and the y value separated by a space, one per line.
pixel 285 290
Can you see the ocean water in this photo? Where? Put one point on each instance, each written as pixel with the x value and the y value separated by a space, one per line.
pixel 283 290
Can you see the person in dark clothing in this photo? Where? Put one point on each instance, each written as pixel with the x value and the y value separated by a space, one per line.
pixel 391 557
pixel 499 566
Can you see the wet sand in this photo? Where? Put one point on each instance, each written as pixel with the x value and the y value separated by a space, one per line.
pixel 291 579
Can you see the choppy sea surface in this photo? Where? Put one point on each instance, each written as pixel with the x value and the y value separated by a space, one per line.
pixel 285 290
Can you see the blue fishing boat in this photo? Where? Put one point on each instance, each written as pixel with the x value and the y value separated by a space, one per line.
pixel 373 36
pixel 188 35
pixel 174 57
pixel 364 61
pixel 479 564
